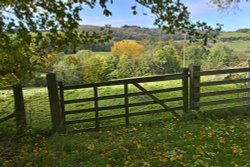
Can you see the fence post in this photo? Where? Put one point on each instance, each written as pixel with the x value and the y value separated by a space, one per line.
pixel 63 126
pixel 248 83
pixel 19 109
pixel 194 87
pixel 185 89
pixel 97 121
pixel 55 109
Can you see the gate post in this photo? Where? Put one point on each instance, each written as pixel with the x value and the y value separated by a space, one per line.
pixel 185 89
pixel 63 126
pixel 194 87
pixel 54 101
pixel 19 109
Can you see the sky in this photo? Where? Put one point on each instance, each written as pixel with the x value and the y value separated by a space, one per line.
pixel 200 10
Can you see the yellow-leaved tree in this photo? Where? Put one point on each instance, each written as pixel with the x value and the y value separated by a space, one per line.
pixel 15 68
pixel 128 54
pixel 48 61
pixel 127 48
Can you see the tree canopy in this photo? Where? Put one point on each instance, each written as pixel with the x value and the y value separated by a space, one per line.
pixel 60 19
pixel 31 28
pixel 226 4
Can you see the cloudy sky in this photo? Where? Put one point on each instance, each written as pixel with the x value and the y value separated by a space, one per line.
pixel 200 10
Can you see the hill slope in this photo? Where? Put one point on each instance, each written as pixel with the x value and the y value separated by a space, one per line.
pixel 135 33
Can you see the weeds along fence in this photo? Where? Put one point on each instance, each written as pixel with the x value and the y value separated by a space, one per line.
pixel 19 110
pixel 62 114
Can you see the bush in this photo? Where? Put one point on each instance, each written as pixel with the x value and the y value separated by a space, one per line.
pixel 69 73
pixel 129 57
pixel 84 67
pixel 221 56
pixel 195 54
pixel 83 54
pixel 39 81
pixel 94 69
pixel 167 60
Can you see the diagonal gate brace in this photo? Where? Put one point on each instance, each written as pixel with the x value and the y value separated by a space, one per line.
pixel 156 99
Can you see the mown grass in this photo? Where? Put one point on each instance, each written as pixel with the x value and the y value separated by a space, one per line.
pixel 196 139
pixel 232 34
pixel 64 56
pixel 239 46
pixel 103 53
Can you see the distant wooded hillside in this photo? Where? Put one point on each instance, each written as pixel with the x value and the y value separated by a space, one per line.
pixel 135 33
pixel 243 30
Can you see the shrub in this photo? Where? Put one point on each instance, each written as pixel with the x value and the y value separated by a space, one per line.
pixel 69 73
pixel 82 54
pixel 94 69
pixel 221 56
pixel 167 60
pixel 38 81
pixel 128 55
pixel 48 61
pixel 195 54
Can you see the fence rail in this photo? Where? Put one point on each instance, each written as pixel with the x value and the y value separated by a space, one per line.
pixel 224 92
pixel 6 88
pixel 128 81
pixel 224 71
pixel 6 118
pixel 213 83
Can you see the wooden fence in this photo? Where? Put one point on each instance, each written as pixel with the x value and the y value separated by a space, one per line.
pixel 191 91
pixel 19 111
pixel 190 88
pixel 196 95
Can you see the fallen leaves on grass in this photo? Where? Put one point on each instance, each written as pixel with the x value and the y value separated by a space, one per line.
pixel 236 150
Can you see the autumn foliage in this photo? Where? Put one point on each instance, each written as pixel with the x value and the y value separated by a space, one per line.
pixel 128 55
pixel 48 61
pixel 128 49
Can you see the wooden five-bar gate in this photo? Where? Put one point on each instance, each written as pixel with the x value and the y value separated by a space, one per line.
pixel 136 82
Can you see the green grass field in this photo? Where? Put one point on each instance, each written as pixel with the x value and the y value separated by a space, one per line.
pixel 103 53
pixel 62 57
pixel 232 34
pixel 217 139
pixel 239 46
